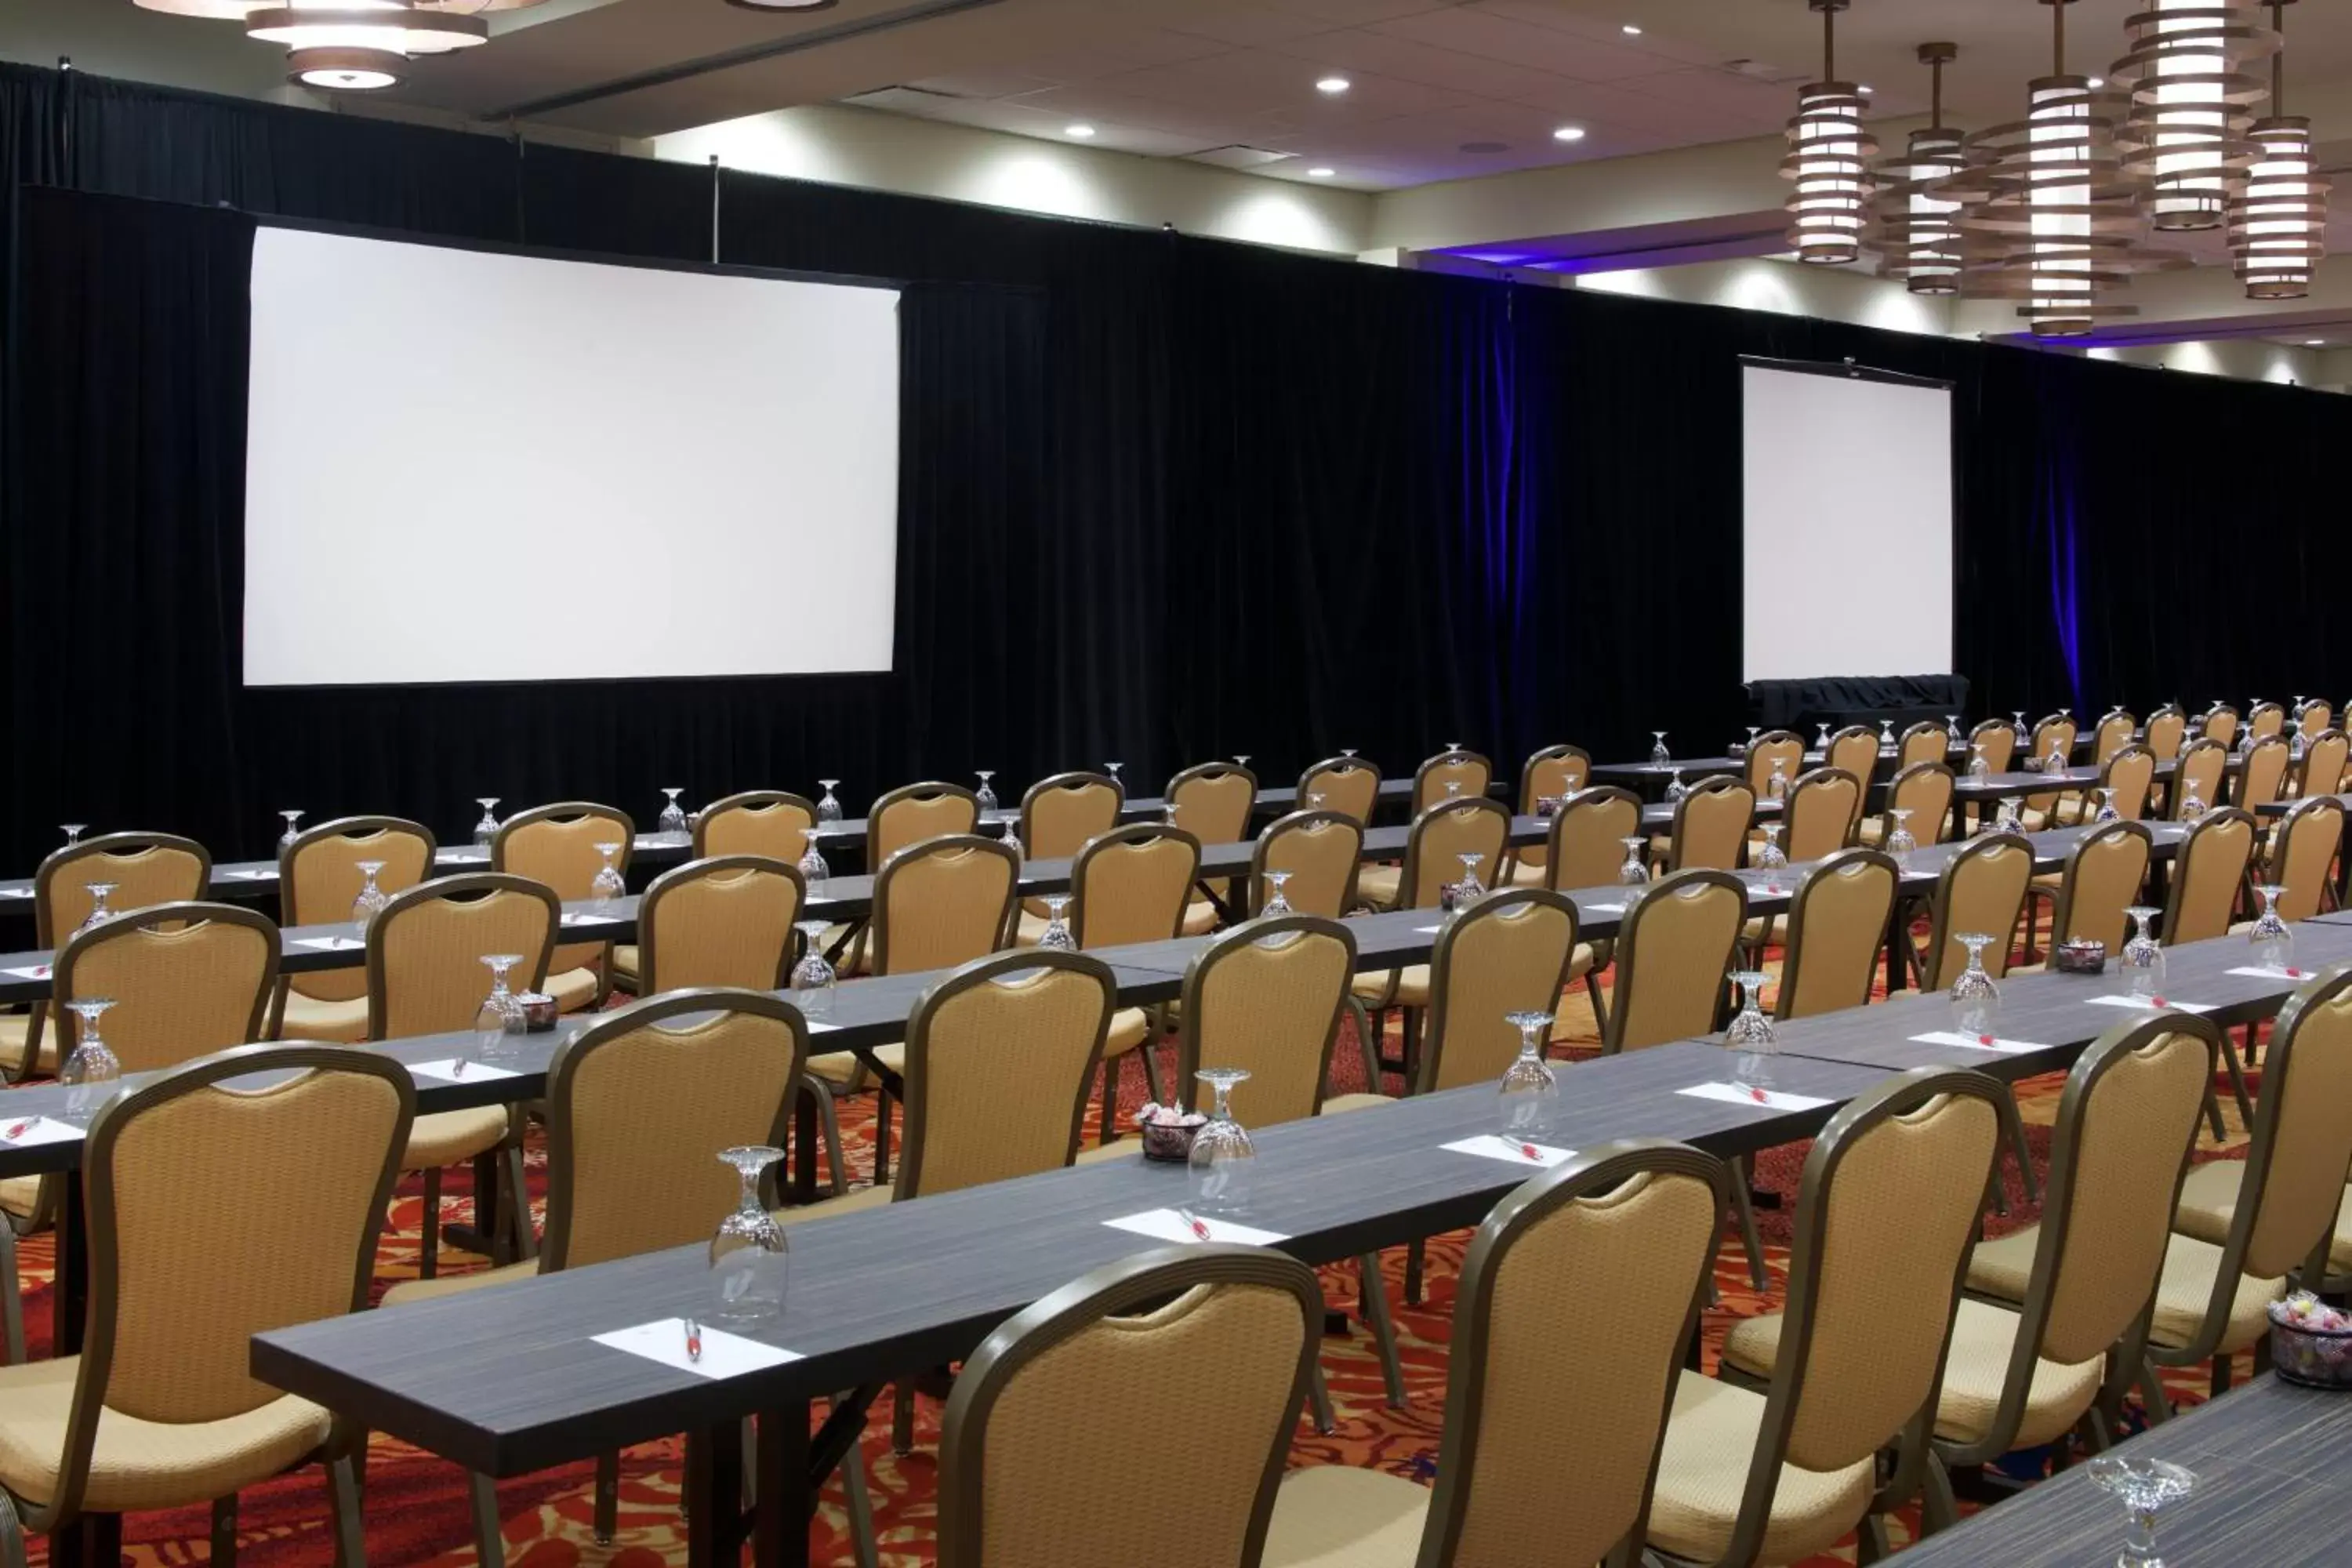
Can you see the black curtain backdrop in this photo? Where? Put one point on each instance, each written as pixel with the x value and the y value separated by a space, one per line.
pixel 1162 499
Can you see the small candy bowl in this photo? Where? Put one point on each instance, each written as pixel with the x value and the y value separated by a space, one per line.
pixel 538 1012
pixel 2311 1343
pixel 1168 1132
pixel 2081 957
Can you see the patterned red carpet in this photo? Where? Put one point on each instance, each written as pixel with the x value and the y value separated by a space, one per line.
pixel 416 1510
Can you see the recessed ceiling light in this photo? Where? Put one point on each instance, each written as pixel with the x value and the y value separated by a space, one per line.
pixel 2095 82
pixel 1569 133
pixel 1081 130
pixel 1631 31
pixel 2314 343
pixel 1333 85
pixel 1320 172
pixel 1865 89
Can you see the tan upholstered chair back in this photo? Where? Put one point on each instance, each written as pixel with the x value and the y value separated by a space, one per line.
pixel 318 878
pixel 1588 839
pixel 1555 771
pixel 2053 737
pixel 425 952
pixel 185 979
pixel 1854 749
pixel 1322 850
pixel 1925 741
pixel 2105 873
pixel 640 1103
pixel 2125 1125
pixel 1000 1057
pixel 1980 893
pixel 765 822
pixel 1506 954
pixel 1266 997
pixel 2131 774
pixel 1060 814
pixel 1837 927
pixel 1673 949
pixel 2267 719
pixel 2168 727
pixel 219 1213
pixel 2302 1149
pixel 1349 785
pixel 917 814
pixel 1998 741
pixel 556 844
pixel 943 902
pixel 1214 801
pixel 1441 836
pixel 1579 1293
pixel 1924 790
pixel 2219 723
pixel 1032 1447
pixel 2199 774
pixel 1886 1212
pixel 2315 717
pixel 1711 826
pixel 1467 770
pixel 1132 884
pixel 2323 765
pixel 2307 845
pixel 1782 746
pixel 144 868
pixel 725 920
pixel 2113 734
pixel 2261 774
pixel 1820 813
pixel 2208 868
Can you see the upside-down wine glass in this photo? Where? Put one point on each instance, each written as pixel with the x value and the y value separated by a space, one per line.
pixel 502 1013
pixel 1750 1033
pixel 293 831
pixel 673 815
pixel 2142 959
pixel 372 898
pixel 2106 811
pixel 2272 938
pixel 1112 769
pixel 1469 890
pixel 1057 935
pixel 1822 738
pixel 488 829
pixel 2192 804
pixel 812 978
pixel 1886 734
pixel 750 1259
pixel 1348 753
pixel 1771 857
pixel 1776 786
pixel 1675 788
pixel 99 913
pixel 1753 731
pixel 1979 766
pixel 828 806
pixel 1222 1157
pixel 91 1065
pixel 607 887
pixel 1013 835
pixel 1899 842
pixel 2013 817
pixel 1975 999
pixel 1454 754
pixel 1241 759
pixel 1635 871
pixel 1952 729
pixel 984 797
pixel 2017 725
pixel 1529 1090
pixel 2294 746
pixel 2146 1488
pixel 1659 755
pixel 73 832
pixel 812 868
pixel 1276 904
pixel 1168 815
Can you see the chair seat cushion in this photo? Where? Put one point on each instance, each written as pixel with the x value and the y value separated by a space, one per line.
pixel 333 1023
pixel 409 1291
pixel 840 1068
pixel 626 971
pixel 1702 1467
pixel 1129 1148
pixel 1129 1027
pixel 1526 876
pixel 1379 885
pixel 2190 1267
pixel 1337 1516
pixel 1200 918
pixel 2209 1196
pixel 138 1464
pixel 448 1137
pixel 852 959
pixel 15 1028
pixel 21 1195
pixel 1340 1103
pixel 1411 986
pixel 856 1201
pixel 573 989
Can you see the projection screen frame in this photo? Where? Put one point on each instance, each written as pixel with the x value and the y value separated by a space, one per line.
pixel 523 248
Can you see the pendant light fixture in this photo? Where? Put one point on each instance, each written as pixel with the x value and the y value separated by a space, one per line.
pixel 1917 229
pixel 2192 102
pixel 351 44
pixel 2278 222
pixel 1828 159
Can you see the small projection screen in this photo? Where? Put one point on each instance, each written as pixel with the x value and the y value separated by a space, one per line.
pixel 1848 529
pixel 478 466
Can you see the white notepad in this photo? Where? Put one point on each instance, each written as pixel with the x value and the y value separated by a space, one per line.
pixel 1979 1042
pixel 16 892
pixel 575 918
pixel 2150 1004
pixel 446 1070
pixel 254 874
pixel 1748 1094
pixel 31 972
pixel 37 1131
pixel 2257 971
pixel 1511 1151
pixel 331 944
pixel 724 1354
pixel 1167 1225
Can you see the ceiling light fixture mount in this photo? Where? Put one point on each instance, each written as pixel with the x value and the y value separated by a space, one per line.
pixel 1828 159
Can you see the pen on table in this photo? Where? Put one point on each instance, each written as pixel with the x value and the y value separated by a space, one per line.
pixel 1529 1150
pixel 1200 1230
pixel 19 1128
pixel 693 1340
pixel 457 1069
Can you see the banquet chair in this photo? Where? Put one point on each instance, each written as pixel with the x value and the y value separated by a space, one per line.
pixel 1673 947
pixel 1033 1453
pixel 1998 741
pixel 1925 741
pixel 2200 775
pixel 2104 875
pixel 1578 1301
pixel 1434 848
pixel 2053 738
pixel 558 846
pixel 2261 774
pixel 2241 1227
pixel 319 880
pixel 1513 952
pixel 2112 734
pixel 1267 997
pixel 1981 889
pixel 1784 747
pixel 1214 802
pixel 425 976
pixel 2023 1375
pixel 770 822
pixel 915 813
pixel 1885 1210
pixel 2168 727
pixel 1585 844
pixel 1322 851
pixel 1711 824
pixel 1922 789
pixel 2303 856
pixel 2219 723
pixel 2314 718
pixel 2130 773
pixel 216 1211
pixel 138 870
pixel 1854 749
pixel 639 1104
pixel 939 904
pixel 2267 719
pixel 1820 813
pixel 1349 785
pixel 1837 927
pixel 1060 814
pixel 2321 771
pixel 1127 885
pixel 2209 881
pixel 1554 772
pixel 1450 776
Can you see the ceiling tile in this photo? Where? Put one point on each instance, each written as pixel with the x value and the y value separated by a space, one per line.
pixel 1494 37
pixel 1357 50
pixel 1242 25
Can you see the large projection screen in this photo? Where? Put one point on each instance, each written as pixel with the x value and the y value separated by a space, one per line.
pixel 476 465
pixel 1848 525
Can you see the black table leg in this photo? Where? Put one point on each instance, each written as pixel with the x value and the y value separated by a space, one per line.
pixel 93 1541
pixel 804 1147
pixel 711 1493
pixel 72 1308
pixel 787 1491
